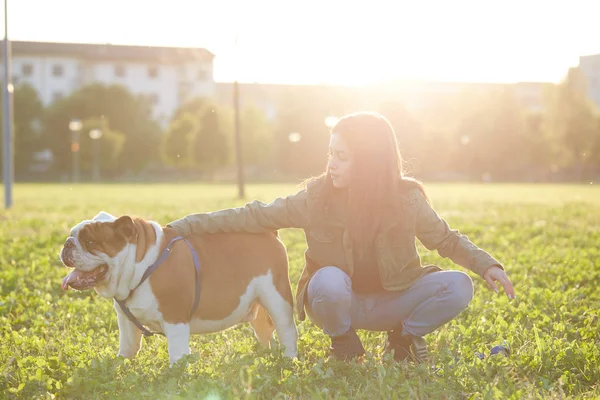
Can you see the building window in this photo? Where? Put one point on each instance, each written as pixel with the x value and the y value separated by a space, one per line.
pixel 57 96
pixel 151 98
pixel 119 71
pixel 152 71
pixel 27 70
pixel 202 75
pixel 57 70
pixel 185 89
pixel 154 99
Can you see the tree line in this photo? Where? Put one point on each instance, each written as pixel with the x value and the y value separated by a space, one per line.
pixel 475 135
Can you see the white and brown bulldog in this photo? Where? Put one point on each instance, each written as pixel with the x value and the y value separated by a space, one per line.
pixel 243 278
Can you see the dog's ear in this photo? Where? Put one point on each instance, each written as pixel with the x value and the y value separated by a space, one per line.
pixel 125 226
pixel 103 216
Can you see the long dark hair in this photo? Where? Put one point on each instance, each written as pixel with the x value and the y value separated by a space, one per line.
pixel 376 175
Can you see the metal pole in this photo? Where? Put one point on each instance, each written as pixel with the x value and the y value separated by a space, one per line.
pixel 75 152
pixel 238 138
pixel 238 141
pixel 7 116
pixel 96 167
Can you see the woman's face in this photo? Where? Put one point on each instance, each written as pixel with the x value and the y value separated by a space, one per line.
pixel 340 160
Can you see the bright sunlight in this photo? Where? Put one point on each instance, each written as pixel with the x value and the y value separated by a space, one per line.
pixel 336 42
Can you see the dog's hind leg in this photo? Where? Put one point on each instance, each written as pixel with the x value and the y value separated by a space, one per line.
pixel 263 326
pixel 276 297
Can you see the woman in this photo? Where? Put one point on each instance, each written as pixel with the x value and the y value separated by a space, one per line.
pixel 361 218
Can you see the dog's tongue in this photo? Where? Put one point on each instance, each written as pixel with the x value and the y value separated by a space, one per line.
pixel 81 280
pixel 72 277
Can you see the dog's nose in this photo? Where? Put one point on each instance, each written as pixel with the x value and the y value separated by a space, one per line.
pixel 67 252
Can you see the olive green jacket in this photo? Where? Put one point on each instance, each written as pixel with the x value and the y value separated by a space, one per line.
pixel 329 243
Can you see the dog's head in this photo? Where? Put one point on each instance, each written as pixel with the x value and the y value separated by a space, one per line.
pixel 94 247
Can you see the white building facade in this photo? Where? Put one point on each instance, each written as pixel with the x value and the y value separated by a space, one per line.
pixel 168 76
pixel 590 67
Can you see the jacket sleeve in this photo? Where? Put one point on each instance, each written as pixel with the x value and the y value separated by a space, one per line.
pixel 435 234
pixel 254 217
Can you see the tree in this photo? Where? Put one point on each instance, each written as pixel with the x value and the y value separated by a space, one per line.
pixel 124 113
pixel 409 133
pixel 484 129
pixel 179 139
pixel 538 147
pixel 200 135
pixel 572 123
pixel 27 117
pixel 109 146
pixel 257 136
pixel 209 145
pixel 302 115
pixel 28 113
pixel 499 143
pixel 439 121
pixel 194 107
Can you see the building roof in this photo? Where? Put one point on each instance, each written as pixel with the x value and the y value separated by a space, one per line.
pixel 162 55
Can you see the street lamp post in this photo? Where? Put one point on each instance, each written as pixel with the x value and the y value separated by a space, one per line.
pixel 75 126
pixel 7 115
pixel 95 135
pixel 238 141
pixel 238 136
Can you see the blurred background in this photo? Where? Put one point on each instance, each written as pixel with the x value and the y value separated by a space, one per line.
pixel 153 91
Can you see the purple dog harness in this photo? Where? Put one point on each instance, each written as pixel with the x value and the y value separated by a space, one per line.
pixel 149 272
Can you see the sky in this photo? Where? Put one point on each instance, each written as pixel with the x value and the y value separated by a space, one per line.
pixel 336 42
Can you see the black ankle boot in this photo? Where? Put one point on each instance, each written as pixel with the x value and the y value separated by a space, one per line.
pixel 347 346
pixel 406 346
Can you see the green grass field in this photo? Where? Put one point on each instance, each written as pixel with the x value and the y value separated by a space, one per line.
pixel 63 344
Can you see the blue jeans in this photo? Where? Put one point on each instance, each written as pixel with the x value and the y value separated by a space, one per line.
pixel 429 303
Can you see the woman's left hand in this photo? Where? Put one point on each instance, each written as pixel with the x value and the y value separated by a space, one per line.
pixel 497 274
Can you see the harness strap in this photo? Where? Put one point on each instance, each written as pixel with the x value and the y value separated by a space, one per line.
pixel 135 321
pixel 165 253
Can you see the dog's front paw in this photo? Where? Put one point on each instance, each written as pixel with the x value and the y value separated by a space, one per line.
pixel 183 360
